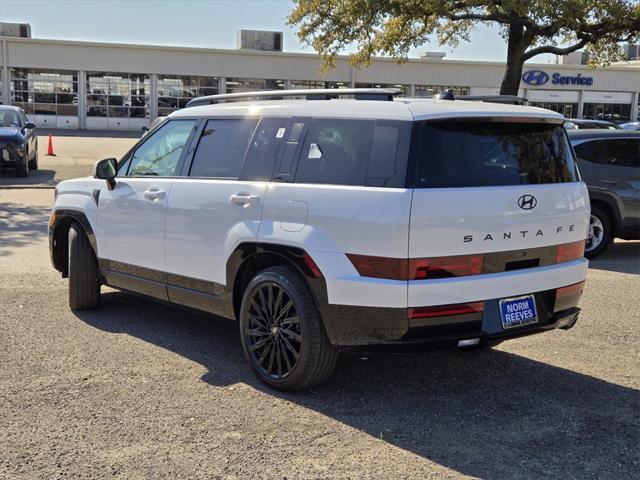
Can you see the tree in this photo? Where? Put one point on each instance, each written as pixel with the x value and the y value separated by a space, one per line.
pixel 530 28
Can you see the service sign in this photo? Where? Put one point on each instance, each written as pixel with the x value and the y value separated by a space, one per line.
pixel 537 78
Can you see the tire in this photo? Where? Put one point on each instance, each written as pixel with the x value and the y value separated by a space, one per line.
pixel 33 163
pixel 84 286
pixel 23 170
pixel 600 233
pixel 270 343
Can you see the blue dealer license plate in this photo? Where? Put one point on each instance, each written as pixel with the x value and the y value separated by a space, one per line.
pixel 519 311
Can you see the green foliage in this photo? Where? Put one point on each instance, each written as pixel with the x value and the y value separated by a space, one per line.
pixel 392 27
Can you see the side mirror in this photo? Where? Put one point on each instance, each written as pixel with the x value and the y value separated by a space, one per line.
pixel 145 129
pixel 106 170
pixel 30 125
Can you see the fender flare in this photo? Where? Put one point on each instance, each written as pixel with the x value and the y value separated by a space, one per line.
pixel 61 219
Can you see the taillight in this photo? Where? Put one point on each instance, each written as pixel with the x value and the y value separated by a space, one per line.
pixel 570 290
pixel 570 251
pixel 417 268
pixel 443 267
pixel 379 267
pixel 446 310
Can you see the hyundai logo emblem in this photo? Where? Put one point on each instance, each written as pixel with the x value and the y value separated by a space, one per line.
pixel 527 202
pixel 535 77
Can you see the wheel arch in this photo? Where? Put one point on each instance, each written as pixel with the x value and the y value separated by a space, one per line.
pixel 610 206
pixel 59 225
pixel 250 258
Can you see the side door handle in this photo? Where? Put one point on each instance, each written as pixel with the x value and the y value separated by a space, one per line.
pixel 611 182
pixel 154 194
pixel 244 200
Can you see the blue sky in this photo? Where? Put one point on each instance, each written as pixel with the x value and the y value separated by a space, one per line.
pixel 201 23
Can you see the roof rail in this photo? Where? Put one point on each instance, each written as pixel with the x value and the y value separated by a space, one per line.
pixel 512 99
pixel 385 94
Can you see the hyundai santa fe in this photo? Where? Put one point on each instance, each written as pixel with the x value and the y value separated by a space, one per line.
pixel 337 219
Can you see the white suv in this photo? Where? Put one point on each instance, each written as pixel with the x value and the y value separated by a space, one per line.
pixel 324 223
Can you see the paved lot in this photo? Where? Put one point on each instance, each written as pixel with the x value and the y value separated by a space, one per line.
pixel 138 390
pixel 75 154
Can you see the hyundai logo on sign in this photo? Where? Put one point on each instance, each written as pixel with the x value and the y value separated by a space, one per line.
pixel 538 77
pixel 527 202
pixel 535 77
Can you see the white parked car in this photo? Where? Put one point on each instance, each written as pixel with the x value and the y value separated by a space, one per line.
pixel 337 222
pixel 631 126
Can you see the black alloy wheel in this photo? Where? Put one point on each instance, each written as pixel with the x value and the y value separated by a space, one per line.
pixel 273 332
pixel 282 333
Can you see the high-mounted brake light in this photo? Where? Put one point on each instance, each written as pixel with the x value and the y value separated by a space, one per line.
pixel 417 268
pixel 446 310
pixel 570 251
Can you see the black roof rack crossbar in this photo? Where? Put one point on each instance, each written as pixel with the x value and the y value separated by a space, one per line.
pixel 385 94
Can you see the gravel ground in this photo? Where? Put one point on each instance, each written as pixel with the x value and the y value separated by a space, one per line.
pixel 75 154
pixel 138 390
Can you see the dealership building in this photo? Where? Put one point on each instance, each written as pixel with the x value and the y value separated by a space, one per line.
pixel 88 85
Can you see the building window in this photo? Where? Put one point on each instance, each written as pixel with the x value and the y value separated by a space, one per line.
pixel 237 85
pixel 123 95
pixel 45 92
pixel 431 90
pixel 406 89
pixel 569 110
pixel 615 112
pixel 175 91
pixel 309 84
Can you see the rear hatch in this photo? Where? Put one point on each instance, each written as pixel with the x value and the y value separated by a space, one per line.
pixel 504 191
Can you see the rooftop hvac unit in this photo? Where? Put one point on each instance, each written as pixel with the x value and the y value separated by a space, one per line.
pixel 15 30
pixel 433 55
pixel 260 40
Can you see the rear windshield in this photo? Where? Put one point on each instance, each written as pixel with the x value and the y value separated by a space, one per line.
pixel 478 154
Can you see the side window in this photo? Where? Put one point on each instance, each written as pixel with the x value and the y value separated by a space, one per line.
pixel 336 152
pixel 160 154
pixel 592 151
pixel 389 153
pixel 264 149
pixel 222 147
pixel 624 152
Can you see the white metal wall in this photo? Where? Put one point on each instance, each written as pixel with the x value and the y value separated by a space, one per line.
pixel 609 84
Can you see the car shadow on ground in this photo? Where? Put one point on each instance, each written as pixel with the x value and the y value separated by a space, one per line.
pixel 36 177
pixel 29 228
pixel 622 257
pixel 487 414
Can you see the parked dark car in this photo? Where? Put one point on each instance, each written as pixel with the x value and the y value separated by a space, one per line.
pixel 581 124
pixel 18 141
pixel 609 161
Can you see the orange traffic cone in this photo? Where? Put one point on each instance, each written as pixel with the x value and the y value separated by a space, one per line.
pixel 50 149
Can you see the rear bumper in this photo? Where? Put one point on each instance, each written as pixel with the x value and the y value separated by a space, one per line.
pixel 364 326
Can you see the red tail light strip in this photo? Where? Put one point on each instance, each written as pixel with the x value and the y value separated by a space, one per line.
pixel 440 267
pixel 446 310
pixel 570 251
pixel 570 290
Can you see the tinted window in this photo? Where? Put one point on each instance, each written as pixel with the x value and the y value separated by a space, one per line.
pixel 475 154
pixel 624 152
pixel 160 154
pixel 336 152
pixel 388 158
pixel 263 149
pixel 221 148
pixel 592 151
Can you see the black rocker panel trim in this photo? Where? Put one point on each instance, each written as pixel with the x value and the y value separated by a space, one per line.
pixel 177 289
pixel 58 242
